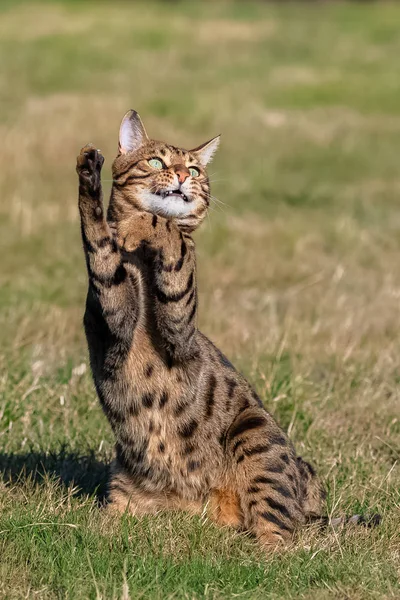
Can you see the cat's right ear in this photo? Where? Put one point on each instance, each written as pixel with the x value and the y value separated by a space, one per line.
pixel 132 133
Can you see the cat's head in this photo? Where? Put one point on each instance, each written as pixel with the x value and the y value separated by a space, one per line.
pixel 160 178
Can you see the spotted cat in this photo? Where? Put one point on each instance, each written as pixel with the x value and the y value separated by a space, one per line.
pixel 190 430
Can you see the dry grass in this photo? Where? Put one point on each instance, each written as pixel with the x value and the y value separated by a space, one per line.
pixel 299 280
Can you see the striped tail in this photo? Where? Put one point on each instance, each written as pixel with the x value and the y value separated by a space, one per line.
pixel 337 522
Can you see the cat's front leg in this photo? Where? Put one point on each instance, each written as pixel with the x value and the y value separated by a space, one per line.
pixel 109 288
pixel 94 226
pixel 167 259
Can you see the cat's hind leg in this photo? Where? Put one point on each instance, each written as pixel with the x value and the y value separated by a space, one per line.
pixel 266 475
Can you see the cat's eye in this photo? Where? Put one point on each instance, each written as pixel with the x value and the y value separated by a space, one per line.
pixel 155 163
pixel 194 172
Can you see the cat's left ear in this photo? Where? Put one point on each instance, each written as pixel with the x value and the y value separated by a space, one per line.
pixel 205 152
pixel 132 133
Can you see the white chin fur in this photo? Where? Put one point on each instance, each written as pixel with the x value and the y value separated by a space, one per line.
pixel 169 207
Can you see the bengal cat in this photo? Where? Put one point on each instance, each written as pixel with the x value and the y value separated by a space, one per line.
pixel 190 431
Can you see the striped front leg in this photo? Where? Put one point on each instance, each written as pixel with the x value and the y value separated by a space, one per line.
pixel 174 294
pixel 166 258
pixel 110 294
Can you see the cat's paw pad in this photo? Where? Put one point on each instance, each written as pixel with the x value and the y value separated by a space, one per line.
pixel 88 166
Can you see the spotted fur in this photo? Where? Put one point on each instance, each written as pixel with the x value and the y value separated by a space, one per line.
pixel 190 431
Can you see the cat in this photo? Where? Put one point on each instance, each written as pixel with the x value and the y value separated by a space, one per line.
pixel 190 430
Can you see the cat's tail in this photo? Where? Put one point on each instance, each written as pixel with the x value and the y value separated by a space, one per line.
pixel 369 521
pixel 313 497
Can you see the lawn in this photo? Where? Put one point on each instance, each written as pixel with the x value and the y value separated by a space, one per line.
pixel 299 276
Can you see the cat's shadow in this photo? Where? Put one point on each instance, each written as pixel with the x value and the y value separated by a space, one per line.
pixel 84 472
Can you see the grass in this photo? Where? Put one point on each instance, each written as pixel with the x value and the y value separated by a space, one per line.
pixel 299 280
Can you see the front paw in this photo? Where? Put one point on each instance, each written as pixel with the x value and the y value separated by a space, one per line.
pixel 88 167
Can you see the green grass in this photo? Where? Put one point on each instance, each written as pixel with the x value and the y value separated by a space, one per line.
pixel 299 280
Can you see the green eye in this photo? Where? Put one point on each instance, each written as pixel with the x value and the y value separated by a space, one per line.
pixel 156 163
pixel 194 172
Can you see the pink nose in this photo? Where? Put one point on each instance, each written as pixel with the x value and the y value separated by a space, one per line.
pixel 182 173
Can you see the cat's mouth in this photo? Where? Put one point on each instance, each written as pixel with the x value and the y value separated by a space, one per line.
pixel 172 193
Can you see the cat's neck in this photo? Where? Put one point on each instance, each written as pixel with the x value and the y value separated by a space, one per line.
pixel 120 208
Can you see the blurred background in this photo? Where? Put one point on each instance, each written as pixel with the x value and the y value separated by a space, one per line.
pixel 298 261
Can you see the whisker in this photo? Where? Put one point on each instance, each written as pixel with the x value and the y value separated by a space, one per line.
pixel 209 223
pixel 217 201
pixel 216 207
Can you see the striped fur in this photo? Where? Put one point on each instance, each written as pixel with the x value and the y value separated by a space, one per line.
pixel 189 429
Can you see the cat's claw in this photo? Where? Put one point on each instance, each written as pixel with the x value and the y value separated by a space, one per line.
pixel 88 165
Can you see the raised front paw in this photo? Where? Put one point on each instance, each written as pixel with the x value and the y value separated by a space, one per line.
pixel 88 167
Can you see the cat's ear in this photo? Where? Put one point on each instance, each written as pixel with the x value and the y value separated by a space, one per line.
pixel 205 152
pixel 132 133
